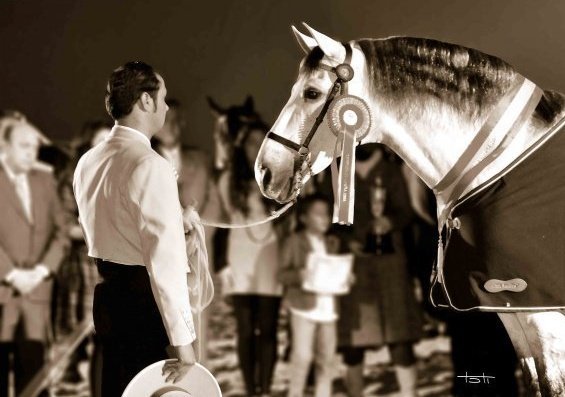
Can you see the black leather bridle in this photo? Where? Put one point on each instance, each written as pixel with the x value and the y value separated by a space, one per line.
pixel 344 73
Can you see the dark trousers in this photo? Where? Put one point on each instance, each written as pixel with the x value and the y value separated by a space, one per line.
pixel 128 325
pixel 28 358
pixel 401 353
pixel 257 319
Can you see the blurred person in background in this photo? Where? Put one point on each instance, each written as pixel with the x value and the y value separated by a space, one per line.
pixel 382 304
pixel 313 316
pixel 252 257
pixel 167 142
pixel 9 117
pixel 77 275
pixel 33 242
pixel 197 187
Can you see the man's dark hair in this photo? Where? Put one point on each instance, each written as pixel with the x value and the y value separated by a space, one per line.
pixel 12 116
pixel 125 86
pixel 8 133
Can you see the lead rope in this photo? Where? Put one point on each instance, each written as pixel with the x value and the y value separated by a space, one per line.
pixel 274 215
pixel 200 283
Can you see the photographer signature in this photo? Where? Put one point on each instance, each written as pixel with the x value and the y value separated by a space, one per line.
pixel 476 378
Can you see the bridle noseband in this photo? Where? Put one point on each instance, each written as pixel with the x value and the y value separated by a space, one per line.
pixel 344 73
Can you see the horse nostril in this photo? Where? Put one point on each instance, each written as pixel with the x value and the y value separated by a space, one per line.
pixel 267 176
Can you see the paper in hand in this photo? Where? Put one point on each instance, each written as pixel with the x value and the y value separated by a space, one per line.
pixel 328 274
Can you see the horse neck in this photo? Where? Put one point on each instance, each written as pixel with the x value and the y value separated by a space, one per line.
pixel 430 138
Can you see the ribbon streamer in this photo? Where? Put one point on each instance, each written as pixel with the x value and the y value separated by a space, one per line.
pixel 345 199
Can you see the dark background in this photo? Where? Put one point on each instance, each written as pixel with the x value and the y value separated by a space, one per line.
pixel 55 55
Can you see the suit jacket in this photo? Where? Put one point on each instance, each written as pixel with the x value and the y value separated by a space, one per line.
pixel 293 260
pixel 24 244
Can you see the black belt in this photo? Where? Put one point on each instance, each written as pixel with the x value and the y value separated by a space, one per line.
pixel 117 272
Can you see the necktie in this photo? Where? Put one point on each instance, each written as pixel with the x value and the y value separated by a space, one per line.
pixel 22 190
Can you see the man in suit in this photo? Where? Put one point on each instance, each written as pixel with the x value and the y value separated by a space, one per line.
pixel 32 244
pixel 129 209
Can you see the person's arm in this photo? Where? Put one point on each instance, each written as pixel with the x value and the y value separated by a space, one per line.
pixel 398 207
pixel 59 243
pixel 7 269
pixel 417 191
pixel 155 200
pixel 289 274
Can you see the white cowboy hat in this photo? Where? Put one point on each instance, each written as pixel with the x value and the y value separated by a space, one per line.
pixel 150 382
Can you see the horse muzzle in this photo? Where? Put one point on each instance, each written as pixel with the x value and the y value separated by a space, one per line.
pixel 279 187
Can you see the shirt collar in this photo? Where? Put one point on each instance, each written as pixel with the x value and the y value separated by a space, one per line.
pixel 7 168
pixel 135 133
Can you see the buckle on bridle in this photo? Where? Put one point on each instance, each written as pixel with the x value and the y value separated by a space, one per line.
pixel 303 151
pixel 344 72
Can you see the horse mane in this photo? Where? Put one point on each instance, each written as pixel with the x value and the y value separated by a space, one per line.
pixel 463 78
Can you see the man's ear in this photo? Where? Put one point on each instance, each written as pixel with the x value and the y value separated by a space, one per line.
pixel 147 103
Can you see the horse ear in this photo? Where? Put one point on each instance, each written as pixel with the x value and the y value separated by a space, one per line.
pixel 216 109
pixel 249 104
pixel 307 43
pixel 331 48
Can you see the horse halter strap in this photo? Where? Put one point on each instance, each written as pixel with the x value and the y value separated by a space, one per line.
pixel 344 73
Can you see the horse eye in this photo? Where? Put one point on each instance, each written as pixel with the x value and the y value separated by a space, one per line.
pixel 311 94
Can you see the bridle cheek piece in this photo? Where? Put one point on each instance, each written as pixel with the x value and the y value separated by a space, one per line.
pixel 344 73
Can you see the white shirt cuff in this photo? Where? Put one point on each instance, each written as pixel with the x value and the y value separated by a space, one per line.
pixel 10 276
pixel 44 270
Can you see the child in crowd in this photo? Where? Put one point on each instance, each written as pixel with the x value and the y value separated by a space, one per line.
pixel 313 316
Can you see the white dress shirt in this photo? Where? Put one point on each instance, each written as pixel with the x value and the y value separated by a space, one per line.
pixel 130 212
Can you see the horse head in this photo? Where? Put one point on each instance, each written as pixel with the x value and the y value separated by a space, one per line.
pixel 425 99
pixel 281 171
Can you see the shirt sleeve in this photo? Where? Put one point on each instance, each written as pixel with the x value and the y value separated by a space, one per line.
pixel 154 195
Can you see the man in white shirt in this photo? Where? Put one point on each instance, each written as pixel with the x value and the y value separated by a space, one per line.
pixel 130 212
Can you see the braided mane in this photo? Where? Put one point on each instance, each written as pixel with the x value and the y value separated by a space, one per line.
pixel 467 80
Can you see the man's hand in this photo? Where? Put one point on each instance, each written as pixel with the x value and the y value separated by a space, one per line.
pixel 176 370
pixel 26 280
pixel 75 232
